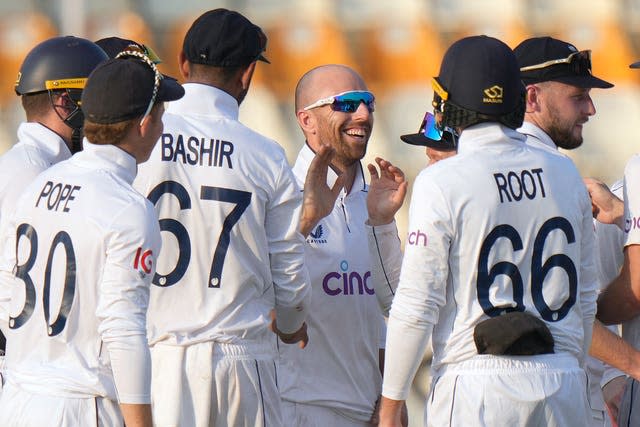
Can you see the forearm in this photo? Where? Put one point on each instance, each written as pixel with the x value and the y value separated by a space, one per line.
pixel 391 412
pixel 614 351
pixel 620 301
pixel 136 415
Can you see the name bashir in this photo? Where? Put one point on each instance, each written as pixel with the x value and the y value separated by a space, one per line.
pixel 196 150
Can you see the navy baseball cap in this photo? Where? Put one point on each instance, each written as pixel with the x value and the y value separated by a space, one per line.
pixel 224 38
pixel 635 65
pixel 430 136
pixel 542 59
pixel 114 45
pixel 122 89
pixel 480 74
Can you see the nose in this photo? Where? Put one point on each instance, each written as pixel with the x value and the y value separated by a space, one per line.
pixel 363 111
pixel 591 108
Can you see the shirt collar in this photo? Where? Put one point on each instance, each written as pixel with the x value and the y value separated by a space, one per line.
pixel 204 99
pixel 108 157
pixel 46 140
pixel 477 136
pixel 537 133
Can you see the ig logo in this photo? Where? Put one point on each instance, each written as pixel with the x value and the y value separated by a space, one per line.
pixel 346 282
pixel 143 261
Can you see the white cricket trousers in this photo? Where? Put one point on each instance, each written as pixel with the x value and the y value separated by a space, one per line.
pixel 546 390
pixel 21 408
pixel 305 415
pixel 214 385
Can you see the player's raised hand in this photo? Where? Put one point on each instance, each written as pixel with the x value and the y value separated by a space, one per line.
pixel 606 206
pixel 387 191
pixel 318 198
pixel 300 336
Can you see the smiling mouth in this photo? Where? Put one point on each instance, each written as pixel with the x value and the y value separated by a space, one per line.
pixel 356 133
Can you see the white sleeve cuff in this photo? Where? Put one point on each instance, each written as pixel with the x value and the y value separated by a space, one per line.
pixel 131 366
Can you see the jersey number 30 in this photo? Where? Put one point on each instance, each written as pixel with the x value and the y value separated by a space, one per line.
pixel 539 270
pixel 22 272
pixel 241 199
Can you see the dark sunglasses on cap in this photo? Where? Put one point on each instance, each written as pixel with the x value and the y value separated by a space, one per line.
pixel 432 130
pixel 346 102
pixel 580 63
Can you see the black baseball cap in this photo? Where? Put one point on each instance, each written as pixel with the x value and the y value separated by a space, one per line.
pixel 542 59
pixel 480 74
pixel 121 89
pixel 446 141
pixel 224 38
pixel 635 65
pixel 114 45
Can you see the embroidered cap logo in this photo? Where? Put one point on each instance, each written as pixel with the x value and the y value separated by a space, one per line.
pixel 493 95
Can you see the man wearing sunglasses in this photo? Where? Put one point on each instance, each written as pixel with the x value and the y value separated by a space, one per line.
pixel 492 273
pixel 336 380
pixel 558 79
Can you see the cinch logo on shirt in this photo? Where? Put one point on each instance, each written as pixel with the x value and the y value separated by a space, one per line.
pixel 316 236
pixel 346 282
pixel 417 238
pixel 143 261
pixel 631 224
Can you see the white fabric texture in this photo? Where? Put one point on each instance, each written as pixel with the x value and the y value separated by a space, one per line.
pixel 492 217
pixel 230 195
pixel 216 385
pixel 339 368
pixel 80 254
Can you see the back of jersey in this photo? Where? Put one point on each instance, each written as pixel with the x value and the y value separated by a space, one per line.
pixel 229 211
pixel 514 223
pixel 69 295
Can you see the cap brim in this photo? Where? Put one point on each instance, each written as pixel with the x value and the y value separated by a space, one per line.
pixel 585 82
pixel 635 65
pixel 445 144
pixel 170 90
pixel 263 59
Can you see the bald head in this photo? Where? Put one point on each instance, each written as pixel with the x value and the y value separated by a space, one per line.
pixel 324 81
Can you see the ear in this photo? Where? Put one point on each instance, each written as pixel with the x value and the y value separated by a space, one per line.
pixel 247 75
pixel 184 65
pixel 533 98
pixel 307 122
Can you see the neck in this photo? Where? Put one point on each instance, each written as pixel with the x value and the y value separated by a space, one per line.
pixel 349 173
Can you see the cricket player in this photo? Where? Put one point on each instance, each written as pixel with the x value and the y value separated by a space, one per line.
pixel 620 302
pixel 336 380
pixel 387 191
pixel 501 273
pixel 50 83
pixel 84 246
pixel 559 81
pixel 229 210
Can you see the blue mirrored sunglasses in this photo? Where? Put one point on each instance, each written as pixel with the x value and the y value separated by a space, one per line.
pixel 432 130
pixel 346 102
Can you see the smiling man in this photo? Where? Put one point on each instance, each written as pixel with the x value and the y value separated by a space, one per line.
pixel 336 380
pixel 559 81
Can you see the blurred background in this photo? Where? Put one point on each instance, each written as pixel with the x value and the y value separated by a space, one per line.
pixel 396 46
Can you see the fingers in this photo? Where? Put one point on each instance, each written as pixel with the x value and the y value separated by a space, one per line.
pixel 373 172
pixel 390 171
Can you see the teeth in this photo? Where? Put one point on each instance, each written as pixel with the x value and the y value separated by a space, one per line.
pixel 355 132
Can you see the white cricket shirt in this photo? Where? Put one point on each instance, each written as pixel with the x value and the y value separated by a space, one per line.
pixel 631 192
pixel 229 211
pixel 37 149
pixel 500 225
pixel 85 258
pixel 339 367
